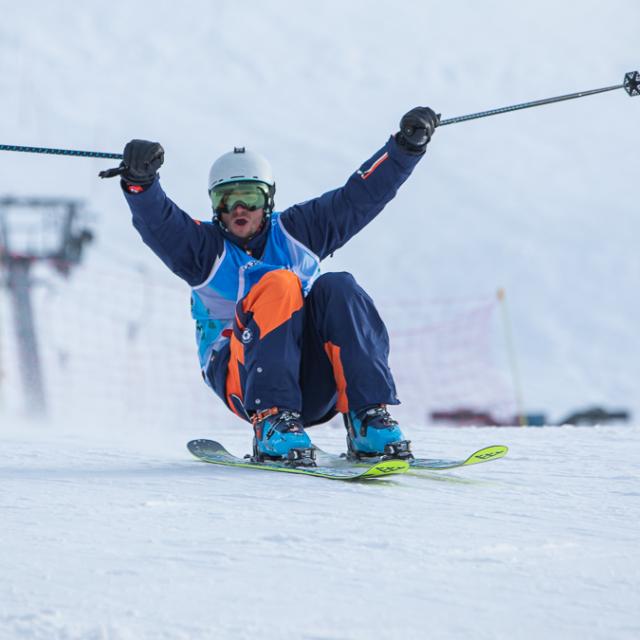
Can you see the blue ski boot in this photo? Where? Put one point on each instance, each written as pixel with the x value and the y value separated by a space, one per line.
pixel 280 435
pixel 371 431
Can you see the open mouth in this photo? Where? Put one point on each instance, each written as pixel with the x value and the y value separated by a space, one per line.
pixel 241 222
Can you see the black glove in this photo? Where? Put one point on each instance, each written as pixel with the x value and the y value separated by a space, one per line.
pixel 141 160
pixel 416 128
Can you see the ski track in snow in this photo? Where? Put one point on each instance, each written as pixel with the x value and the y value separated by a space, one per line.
pixel 127 537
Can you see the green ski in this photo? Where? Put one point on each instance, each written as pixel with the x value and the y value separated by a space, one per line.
pixel 335 469
pixel 494 452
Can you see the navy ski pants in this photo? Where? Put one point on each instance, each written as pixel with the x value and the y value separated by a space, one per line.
pixel 318 355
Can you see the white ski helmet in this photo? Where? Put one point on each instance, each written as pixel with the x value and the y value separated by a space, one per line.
pixel 242 165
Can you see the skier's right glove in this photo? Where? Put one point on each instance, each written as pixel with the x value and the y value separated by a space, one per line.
pixel 141 160
pixel 416 128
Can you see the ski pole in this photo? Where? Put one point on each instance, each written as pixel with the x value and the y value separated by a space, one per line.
pixel 631 84
pixel 61 152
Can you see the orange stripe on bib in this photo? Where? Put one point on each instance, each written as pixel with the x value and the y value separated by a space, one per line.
pixel 333 352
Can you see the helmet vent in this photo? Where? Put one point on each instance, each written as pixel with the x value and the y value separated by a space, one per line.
pixel 238 149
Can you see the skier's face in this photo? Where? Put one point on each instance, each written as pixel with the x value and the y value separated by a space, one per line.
pixel 242 222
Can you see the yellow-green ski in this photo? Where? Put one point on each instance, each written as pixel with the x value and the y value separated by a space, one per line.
pixel 494 452
pixel 214 453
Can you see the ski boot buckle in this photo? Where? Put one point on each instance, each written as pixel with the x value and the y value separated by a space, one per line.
pixel 400 450
pixel 301 457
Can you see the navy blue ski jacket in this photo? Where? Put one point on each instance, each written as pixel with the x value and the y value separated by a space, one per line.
pixel 323 224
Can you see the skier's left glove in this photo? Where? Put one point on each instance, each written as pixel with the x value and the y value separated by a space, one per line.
pixel 141 160
pixel 416 128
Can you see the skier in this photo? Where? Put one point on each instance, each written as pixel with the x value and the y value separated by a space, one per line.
pixel 282 345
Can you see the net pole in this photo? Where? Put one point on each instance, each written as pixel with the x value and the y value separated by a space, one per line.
pixel 511 355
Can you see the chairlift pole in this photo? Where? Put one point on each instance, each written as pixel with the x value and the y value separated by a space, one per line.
pixel 19 283
pixel 18 254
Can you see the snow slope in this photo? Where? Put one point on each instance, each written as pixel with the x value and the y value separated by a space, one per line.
pixel 103 538
pixel 108 528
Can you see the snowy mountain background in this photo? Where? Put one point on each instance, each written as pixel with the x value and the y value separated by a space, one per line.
pixel 110 531
pixel 540 202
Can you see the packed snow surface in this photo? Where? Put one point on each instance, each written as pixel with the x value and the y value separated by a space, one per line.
pixel 118 538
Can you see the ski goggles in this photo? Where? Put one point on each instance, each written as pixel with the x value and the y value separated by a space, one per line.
pixel 252 195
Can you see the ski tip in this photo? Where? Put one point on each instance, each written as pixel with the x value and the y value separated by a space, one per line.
pixel 488 453
pixel 199 445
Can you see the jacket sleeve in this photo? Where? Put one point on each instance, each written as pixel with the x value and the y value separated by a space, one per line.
pixel 188 247
pixel 324 224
